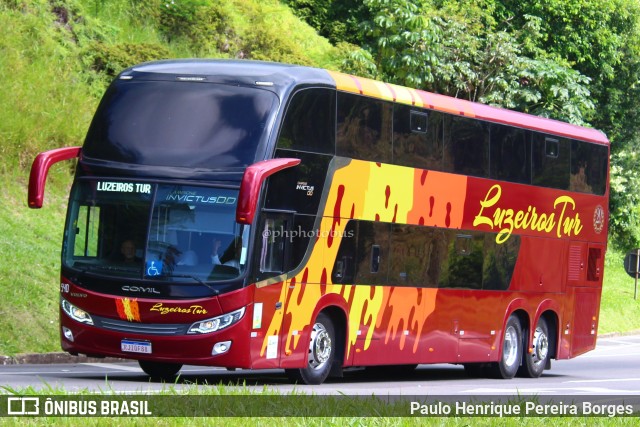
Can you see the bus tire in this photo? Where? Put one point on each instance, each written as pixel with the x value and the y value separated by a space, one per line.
pixel 537 359
pixel 321 356
pixel 511 354
pixel 160 370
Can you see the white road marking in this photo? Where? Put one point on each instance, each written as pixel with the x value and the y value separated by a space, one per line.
pixel 115 366
pixel 556 391
pixel 613 380
pixel 608 355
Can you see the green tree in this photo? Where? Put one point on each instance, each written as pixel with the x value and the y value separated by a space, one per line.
pixel 337 20
pixel 601 40
pixel 453 48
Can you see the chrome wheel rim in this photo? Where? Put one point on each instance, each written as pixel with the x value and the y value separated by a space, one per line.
pixel 319 347
pixel 540 347
pixel 510 346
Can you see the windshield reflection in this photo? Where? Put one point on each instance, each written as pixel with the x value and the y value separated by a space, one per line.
pixel 191 236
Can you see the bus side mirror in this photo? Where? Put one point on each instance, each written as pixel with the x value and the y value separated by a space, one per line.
pixel 40 170
pixel 252 181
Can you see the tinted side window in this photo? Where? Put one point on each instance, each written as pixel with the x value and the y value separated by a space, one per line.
pixel 364 128
pixel 417 255
pixel 466 146
pixel 476 261
pixel 282 242
pixel 309 123
pixel 510 154
pixel 417 137
pixel 271 260
pixel 372 254
pixel 345 264
pixel 299 188
pixel 551 156
pixel 499 262
pixel 299 240
pixel 588 167
pixel 463 267
pixel 274 245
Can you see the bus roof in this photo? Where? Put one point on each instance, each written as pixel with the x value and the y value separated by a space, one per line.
pixel 282 77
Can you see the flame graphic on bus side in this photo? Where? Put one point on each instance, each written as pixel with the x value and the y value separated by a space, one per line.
pixel 384 193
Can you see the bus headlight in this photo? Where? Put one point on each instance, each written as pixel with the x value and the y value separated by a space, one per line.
pixel 77 314
pixel 216 323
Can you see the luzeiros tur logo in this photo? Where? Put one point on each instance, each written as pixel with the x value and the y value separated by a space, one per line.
pixel 41 406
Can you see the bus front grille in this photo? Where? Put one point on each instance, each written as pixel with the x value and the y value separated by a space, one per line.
pixel 140 328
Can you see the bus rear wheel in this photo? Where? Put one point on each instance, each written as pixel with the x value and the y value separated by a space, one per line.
pixel 322 351
pixel 511 354
pixel 536 360
pixel 160 370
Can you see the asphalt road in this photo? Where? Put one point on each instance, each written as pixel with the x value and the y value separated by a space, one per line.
pixel 612 369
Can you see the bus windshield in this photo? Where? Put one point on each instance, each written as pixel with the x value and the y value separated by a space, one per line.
pixel 188 125
pixel 155 232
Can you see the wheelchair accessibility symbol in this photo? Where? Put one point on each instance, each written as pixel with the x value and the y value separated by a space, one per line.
pixel 154 268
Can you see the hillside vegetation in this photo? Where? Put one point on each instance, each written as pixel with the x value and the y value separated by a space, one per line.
pixel 56 58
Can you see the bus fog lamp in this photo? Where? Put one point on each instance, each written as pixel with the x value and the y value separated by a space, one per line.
pixel 217 323
pixel 67 333
pixel 77 314
pixel 221 347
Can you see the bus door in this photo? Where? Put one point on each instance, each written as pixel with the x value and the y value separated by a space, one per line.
pixel 441 302
pixel 479 271
pixel 269 331
pixel 479 325
pixel 584 278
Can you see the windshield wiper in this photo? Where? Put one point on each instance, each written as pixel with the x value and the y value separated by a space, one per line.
pixel 188 276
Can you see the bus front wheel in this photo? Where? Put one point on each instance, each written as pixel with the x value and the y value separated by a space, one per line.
pixel 511 354
pixel 536 360
pixel 322 350
pixel 160 370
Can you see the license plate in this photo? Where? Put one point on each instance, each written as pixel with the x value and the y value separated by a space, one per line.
pixel 135 346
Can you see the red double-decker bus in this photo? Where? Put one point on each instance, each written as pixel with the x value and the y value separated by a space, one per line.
pixel 259 215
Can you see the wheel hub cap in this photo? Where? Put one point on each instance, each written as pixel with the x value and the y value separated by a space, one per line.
pixel 320 346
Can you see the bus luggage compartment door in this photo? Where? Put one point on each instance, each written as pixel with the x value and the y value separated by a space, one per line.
pixel 584 275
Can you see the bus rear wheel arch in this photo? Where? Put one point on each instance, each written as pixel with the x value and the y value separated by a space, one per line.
pixel 322 353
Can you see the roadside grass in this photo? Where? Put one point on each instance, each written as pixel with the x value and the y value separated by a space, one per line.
pixel 254 408
pixel 46 102
pixel 322 421
pixel 30 242
pixel 619 312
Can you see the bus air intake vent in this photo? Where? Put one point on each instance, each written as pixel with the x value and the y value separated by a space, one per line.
pixel 575 263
